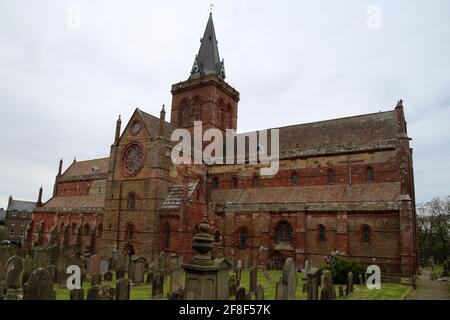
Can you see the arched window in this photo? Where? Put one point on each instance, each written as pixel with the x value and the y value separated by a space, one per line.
pixel 129 233
pixel 322 233
pixel 365 234
pixel 243 238
pixel 99 230
pixel 87 229
pixel 255 181
pixel 217 236
pixel 131 204
pixel 294 179
pixel 235 182
pixel 167 235
pixel 283 232
pixel 331 176
pixel 215 183
pixel 370 176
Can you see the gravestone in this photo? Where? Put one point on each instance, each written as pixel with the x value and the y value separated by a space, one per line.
pixel 77 294
pixel 328 291
pixel 120 273
pixel 104 267
pixel 341 292
pixel 253 279
pixel 158 286
pixel 241 294
pixel 39 286
pixel 289 280
pixel 2 272
pixel 162 261
pixel 247 262
pixel 108 276
pixel 175 279
pixel 94 264
pixel 28 264
pixel 267 276
pixel 232 287
pixel 61 267
pixel 123 289
pixel 174 262
pixel 96 279
pixel 279 290
pixel 361 281
pixel 349 287
pixel 14 268
pixel 101 292
pixel 259 293
pixel 42 258
pixel 120 262
pixel 139 273
pixel 312 283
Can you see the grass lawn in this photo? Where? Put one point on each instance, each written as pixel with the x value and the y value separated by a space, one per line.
pixel 389 291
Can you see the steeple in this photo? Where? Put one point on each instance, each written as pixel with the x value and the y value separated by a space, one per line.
pixel 207 60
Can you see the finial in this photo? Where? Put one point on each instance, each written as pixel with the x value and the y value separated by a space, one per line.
pixel 211 8
pixel 119 118
pixel 74 159
pixel 163 108
pixel 400 104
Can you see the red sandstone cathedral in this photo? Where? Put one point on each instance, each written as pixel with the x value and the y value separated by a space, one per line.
pixel 343 185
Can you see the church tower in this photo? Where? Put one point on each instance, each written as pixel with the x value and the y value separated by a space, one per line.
pixel 205 96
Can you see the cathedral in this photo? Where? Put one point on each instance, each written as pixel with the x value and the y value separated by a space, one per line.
pixel 344 185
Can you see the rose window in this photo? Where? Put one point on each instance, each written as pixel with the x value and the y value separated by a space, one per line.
pixel 134 159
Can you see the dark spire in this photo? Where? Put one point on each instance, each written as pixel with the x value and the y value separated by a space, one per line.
pixel 118 126
pixel 207 60
pixel 60 167
pixel 39 202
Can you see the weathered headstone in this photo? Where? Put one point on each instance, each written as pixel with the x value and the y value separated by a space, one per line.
pixel 279 290
pixel 39 286
pixel 328 291
pixel 253 279
pixel 77 294
pixel 241 294
pixel 104 267
pixel 14 268
pixel 289 280
pixel 162 261
pixel 361 282
pixel 158 286
pixel 259 293
pixel 150 276
pixel 349 288
pixel 101 292
pixel 123 289
pixel 138 274
pixel 267 276
pixel 94 264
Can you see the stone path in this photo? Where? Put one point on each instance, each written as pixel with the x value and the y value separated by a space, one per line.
pixel 429 290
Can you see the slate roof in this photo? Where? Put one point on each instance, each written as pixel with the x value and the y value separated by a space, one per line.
pixel 363 195
pixel 175 196
pixel 152 124
pixel 75 202
pixel 207 60
pixel 88 167
pixel 21 205
pixel 369 132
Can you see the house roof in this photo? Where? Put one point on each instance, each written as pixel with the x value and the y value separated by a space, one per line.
pixel 76 202
pixel 175 196
pixel 20 205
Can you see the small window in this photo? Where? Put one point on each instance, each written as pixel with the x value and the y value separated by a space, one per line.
pixel 13 223
pixel 365 234
pixel 243 238
pixel 283 232
pixel 256 181
pixel 22 233
pixel 370 176
pixel 24 214
pixel 322 233
pixel 294 179
pixel 235 182
pixel 331 176
pixel 22 223
pixel 217 236
pixel 14 213
pixel 131 204
pixel 215 183
pixel 100 230
pixel 11 233
pixel 87 229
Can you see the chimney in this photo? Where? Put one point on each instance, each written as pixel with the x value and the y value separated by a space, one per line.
pixel 39 202
pixel 9 201
pixel 401 121
pixel 118 126
pixel 60 167
pixel 162 119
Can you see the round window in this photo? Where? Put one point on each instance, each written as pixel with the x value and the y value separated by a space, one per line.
pixel 134 159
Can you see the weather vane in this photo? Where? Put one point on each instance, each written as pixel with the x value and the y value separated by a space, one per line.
pixel 211 7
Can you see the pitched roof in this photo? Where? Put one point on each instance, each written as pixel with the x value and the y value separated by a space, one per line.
pixel 152 124
pixel 327 195
pixel 88 167
pixel 352 134
pixel 21 205
pixel 175 196
pixel 207 60
pixel 75 202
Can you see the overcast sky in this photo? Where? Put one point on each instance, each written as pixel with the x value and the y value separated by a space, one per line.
pixel 64 80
